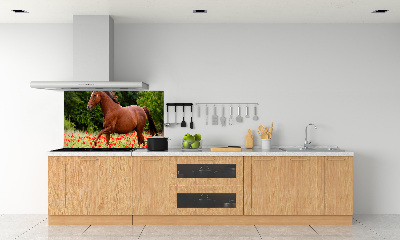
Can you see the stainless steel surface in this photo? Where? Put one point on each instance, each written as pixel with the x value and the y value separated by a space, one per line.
pixel 206 159
pixel 306 142
pixel 214 118
pixel 316 149
pixel 239 118
pixel 225 103
pixel 223 119
pixel 255 118
pixel 247 112
pixel 150 159
pixel 230 116
pixel 206 115
pixel 262 159
pixel 299 159
pixel 89 159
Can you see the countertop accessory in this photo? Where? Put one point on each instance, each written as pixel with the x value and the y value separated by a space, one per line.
pixel 249 140
pixel 306 142
pixel 266 144
pixel 223 119
pixel 239 118
pixel 255 118
pixel 226 149
pixel 214 118
pixel 191 118
pixel 247 111
pixel 265 133
pixel 167 123
pixel 157 143
pixel 183 123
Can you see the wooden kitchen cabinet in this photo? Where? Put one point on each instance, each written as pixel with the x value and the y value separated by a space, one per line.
pixel 56 185
pixel 98 185
pixel 338 185
pixel 287 186
pixel 151 186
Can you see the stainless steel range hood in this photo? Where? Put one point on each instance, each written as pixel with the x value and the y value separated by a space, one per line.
pixel 93 40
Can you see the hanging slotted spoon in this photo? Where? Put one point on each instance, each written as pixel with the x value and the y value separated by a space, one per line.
pixel 255 118
pixel 239 118
pixel 223 119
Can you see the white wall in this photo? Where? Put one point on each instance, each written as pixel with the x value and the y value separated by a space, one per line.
pixel 342 77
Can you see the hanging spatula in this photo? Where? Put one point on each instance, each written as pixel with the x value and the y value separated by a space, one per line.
pixel 183 123
pixel 191 118
pixel 223 119
pixel 214 118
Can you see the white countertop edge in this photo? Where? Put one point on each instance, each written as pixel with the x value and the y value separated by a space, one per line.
pixel 206 152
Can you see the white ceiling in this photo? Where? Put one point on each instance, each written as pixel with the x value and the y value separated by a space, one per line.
pixel 219 11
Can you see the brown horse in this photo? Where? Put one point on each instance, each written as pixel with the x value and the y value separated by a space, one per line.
pixel 118 119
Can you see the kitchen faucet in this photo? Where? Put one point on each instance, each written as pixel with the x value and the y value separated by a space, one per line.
pixel 306 142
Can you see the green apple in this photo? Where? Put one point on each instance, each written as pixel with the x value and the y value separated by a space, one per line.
pixel 196 144
pixel 185 137
pixel 197 136
pixel 186 144
pixel 190 138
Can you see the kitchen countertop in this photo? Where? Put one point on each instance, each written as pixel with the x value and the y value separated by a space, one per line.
pixel 205 152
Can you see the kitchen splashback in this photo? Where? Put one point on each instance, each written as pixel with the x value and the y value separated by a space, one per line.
pixel 106 119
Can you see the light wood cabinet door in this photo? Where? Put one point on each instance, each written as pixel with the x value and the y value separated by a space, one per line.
pixel 197 204
pixel 338 185
pixel 56 185
pixel 98 185
pixel 151 181
pixel 287 186
pixel 237 162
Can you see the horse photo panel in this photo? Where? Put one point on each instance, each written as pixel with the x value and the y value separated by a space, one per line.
pixel 112 119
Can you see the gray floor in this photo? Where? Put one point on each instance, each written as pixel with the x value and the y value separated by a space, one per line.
pixel 364 227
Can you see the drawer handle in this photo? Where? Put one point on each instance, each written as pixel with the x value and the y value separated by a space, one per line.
pixel 299 159
pixel 206 159
pixel 262 159
pixel 205 189
pixel 151 159
pixel 89 159
pixel 336 159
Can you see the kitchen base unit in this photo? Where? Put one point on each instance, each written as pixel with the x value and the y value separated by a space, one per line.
pixel 200 220
pixel 201 188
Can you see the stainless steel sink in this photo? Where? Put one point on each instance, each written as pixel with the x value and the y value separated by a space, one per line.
pixel 316 149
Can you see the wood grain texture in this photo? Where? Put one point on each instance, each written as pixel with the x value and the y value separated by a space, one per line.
pixel 154 186
pixel 206 211
pixel 238 161
pixel 56 185
pixel 338 186
pixel 247 185
pixel 284 186
pixel 90 220
pixel 98 187
pixel 242 220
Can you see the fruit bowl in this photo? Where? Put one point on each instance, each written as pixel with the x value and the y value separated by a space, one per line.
pixel 191 145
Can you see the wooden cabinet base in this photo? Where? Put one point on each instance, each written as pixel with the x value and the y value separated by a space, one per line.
pixel 242 220
pixel 90 220
pixel 200 220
